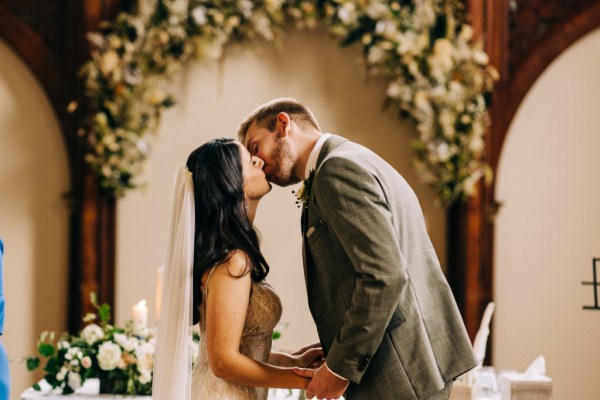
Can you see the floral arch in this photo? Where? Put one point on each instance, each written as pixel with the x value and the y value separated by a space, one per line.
pixel 435 75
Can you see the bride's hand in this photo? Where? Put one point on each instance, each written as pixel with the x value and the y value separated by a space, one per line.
pixel 311 358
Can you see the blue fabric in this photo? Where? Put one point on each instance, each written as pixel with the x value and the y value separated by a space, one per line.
pixel 1 289
pixel 4 372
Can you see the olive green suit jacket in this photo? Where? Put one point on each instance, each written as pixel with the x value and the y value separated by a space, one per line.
pixel 385 314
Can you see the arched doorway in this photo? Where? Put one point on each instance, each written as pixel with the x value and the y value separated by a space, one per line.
pixel 50 38
pixel 34 175
pixel 547 229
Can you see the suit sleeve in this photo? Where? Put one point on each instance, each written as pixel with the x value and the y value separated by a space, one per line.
pixel 355 209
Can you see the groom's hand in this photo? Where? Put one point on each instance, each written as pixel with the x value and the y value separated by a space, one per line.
pixel 311 358
pixel 324 384
pixel 305 348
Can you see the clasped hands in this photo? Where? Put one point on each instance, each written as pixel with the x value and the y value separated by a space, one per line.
pixel 323 383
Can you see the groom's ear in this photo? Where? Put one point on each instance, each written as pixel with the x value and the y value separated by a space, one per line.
pixel 283 125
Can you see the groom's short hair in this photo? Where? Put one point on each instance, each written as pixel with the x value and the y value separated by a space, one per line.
pixel 266 115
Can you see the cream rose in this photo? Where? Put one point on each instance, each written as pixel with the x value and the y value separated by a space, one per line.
pixel 145 376
pixel 92 333
pixel 74 380
pixel 145 356
pixel 109 355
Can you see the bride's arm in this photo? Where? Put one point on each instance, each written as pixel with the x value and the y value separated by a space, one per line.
pixel 226 308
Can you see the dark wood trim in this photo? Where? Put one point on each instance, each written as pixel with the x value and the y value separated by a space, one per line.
pixel 471 225
pixel 93 252
pixel 464 256
pixel 39 58
pixel 554 42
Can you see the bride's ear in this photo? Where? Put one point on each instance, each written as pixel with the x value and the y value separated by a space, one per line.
pixel 283 124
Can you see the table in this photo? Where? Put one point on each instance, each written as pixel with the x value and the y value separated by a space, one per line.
pixel 90 388
pixel 88 391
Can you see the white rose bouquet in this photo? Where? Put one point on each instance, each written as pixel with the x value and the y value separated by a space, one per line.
pixel 120 359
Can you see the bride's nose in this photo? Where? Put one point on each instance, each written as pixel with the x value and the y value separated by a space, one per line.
pixel 258 162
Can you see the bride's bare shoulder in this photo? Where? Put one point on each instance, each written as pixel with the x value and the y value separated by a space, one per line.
pixel 237 265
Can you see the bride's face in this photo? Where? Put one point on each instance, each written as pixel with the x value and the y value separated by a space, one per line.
pixel 255 181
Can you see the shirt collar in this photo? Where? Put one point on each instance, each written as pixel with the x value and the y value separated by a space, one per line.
pixel 314 154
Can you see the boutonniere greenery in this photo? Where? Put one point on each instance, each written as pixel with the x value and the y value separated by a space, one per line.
pixel 302 194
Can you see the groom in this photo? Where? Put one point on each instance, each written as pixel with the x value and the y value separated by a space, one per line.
pixel 386 317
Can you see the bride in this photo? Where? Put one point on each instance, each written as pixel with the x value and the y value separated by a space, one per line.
pixel 214 275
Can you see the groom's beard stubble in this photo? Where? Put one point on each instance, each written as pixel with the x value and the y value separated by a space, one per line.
pixel 282 172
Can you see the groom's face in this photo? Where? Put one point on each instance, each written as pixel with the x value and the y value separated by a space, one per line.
pixel 276 152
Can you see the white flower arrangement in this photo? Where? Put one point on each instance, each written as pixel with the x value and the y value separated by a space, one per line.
pixel 118 357
pixel 436 75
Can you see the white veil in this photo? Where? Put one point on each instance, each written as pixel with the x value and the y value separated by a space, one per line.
pixel 172 361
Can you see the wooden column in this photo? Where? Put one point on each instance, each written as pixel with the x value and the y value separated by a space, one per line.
pixel 471 224
pixel 93 221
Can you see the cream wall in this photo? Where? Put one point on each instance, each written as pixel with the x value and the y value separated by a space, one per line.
pixel 213 99
pixel 548 229
pixel 33 218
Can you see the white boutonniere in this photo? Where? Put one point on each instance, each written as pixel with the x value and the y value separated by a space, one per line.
pixel 302 195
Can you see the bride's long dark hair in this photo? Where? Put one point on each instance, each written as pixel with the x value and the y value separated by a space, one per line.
pixel 222 224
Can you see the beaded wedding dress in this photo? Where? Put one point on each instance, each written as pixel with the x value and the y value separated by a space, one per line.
pixel 264 312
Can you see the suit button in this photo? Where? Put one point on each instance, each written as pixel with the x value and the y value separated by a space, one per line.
pixel 364 361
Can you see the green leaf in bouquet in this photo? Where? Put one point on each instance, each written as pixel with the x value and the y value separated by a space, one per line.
pixel 46 349
pixel 89 373
pixel 53 365
pixel 32 363
pixel 276 335
pixel 130 386
pixel 104 314
pixel 36 387
pixel 103 310
pixel 52 381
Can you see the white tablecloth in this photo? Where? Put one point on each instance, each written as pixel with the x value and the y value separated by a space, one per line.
pixel 89 391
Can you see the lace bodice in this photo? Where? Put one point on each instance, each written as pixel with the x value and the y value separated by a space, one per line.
pixel 264 312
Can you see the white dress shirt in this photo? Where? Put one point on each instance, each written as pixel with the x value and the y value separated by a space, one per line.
pixel 314 154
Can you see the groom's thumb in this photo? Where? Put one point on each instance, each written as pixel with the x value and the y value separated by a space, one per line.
pixel 304 372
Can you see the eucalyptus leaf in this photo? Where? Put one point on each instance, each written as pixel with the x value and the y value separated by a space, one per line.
pixel 46 349
pixel 32 363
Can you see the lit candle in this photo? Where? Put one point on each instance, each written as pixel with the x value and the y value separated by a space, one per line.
pixel 159 278
pixel 140 318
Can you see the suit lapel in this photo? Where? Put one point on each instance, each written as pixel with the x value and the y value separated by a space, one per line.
pixel 330 144
pixel 303 224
